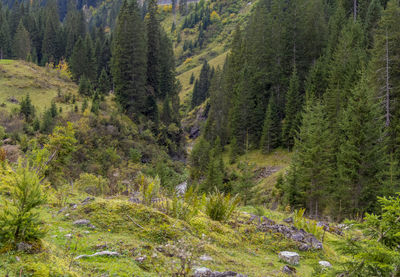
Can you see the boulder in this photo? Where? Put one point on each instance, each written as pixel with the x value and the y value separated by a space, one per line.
pixel 205 272
pixel 290 257
pixel 325 264
pixel 205 258
pixel 288 220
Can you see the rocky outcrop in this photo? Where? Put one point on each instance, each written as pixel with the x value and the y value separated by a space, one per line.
pixel 307 241
pixel 102 253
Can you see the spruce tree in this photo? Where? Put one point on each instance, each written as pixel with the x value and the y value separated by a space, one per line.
pixel 103 84
pixel 153 47
pixel 201 91
pixel 271 133
pixel 362 154
pixel 292 111
pixel 310 174
pixel 128 64
pixel 22 43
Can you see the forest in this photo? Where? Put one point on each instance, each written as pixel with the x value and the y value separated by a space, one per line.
pixel 193 138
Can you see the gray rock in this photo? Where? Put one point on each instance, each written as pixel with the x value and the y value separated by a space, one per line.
pixel 87 200
pixel 68 236
pixel 62 210
pixel 288 220
pixel 205 258
pixel 141 259
pixel 290 257
pixel 304 247
pixel 23 246
pixel 102 253
pixel 181 188
pixel 82 222
pixel 325 264
pixel 289 270
pixel 202 272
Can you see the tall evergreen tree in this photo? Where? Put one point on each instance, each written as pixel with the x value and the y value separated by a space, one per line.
pixel 292 111
pixel 153 48
pixel 129 59
pixel 362 154
pixel 271 133
pixel 22 42
pixel 201 91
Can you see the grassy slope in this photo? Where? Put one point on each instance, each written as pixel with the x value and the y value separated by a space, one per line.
pixel 19 78
pixel 235 246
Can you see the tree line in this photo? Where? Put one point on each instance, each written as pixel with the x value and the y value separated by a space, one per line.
pixel 320 79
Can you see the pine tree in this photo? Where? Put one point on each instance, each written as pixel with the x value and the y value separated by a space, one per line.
pixel 5 38
pixel 50 45
pixel 22 42
pixel 271 133
pixel 310 174
pixel 362 154
pixel 292 111
pixel 103 84
pixel 201 91
pixel 153 48
pixel 27 109
pixel 128 63
pixel 215 170
pixel 85 87
pixel 199 159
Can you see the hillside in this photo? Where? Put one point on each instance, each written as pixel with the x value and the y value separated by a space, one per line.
pixel 18 79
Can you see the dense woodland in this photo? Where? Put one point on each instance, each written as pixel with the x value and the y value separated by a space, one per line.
pixel 317 78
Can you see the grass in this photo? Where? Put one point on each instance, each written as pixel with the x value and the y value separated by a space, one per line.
pixel 19 78
pixel 232 246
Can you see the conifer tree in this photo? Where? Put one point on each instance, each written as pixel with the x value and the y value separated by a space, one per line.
pixel 362 154
pixel 271 133
pixel 103 85
pixel 5 38
pixel 215 170
pixel 310 175
pixel 292 111
pixel 199 159
pixel 85 87
pixel 22 43
pixel 201 91
pixel 153 48
pixel 128 63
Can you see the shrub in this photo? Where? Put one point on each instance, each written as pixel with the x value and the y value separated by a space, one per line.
pixel 149 189
pixel 19 217
pixel 186 207
pixel 308 225
pixel 219 206
pixel 92 184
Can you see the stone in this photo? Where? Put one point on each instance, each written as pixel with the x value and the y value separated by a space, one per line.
pixel 290 257
pixel 205 258
pixel 62 210
pixel 304 247
pixel 68 236
pixel 81 222
pixel 102 253
pixel 181 188
pixel 325 264
pixel 87 200
pixel 141 259
pixel 202 272
pixel 23 246
pixel 288 270
pixel 288 220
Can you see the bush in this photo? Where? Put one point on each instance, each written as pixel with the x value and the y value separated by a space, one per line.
pixel 219 206
pixel 92 184
pixel 19 216
pixel 186 207
pixel 308 225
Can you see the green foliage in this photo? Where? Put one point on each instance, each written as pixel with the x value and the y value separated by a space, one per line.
pixel 199 159
pixel 149 189
pixel 219 206
pixel 27 109
pixel 19 216
pixel 308 225
pixel 187 206
pixel 244 183
pixel 92 184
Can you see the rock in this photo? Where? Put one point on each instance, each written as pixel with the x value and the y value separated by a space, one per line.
pixel 74 207
pixel 86 232
pixel 288 270
pixel 100 246
pixel 13 100
pixel 102 253
pixel 23 246
pixel 325 264
pixel 87 200
pixel 205 272
pixel 81 222
pixel 62 210
pixel 18 259
pixel 288 220
pixel 202 272
pixel 181 188
pixel 290 257
pixel 205 258
pixel 141 259
pixel 268 221
pixel 304 247
pixel 68 236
